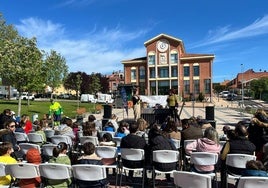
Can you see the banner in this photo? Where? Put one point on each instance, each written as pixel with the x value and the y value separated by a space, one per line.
pixel 124 98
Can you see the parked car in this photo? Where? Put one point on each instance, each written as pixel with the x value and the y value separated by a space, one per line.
pixel 224 94
pixel 231 97
pixel 27 96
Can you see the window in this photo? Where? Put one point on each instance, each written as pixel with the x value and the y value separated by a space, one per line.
pixel 174 71
pixel 196 86
pixel 174 83
pixel 153 87
pixel 196 70
pixel 174 58
pixel 142 88
pixel 207 86
pixel 151 59
pixel 163 72
pixel 186 86
pixel 152 72
pixel 142 73
pixel 133 73
pixel 163 87
pixel 186 71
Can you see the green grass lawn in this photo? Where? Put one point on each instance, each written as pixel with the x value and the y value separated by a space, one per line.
pixel 42 107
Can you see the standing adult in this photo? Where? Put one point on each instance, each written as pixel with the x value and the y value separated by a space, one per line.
pixel 136 104
pixel 55 111
pixel 172 102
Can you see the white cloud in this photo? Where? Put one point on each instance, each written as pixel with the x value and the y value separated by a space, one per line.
pixel 97 51
pixel 223 34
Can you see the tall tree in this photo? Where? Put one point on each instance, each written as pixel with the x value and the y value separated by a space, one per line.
pixel 73 81
pixel 259 86
pixel 56 69
pixel 21 63
pixel 95 85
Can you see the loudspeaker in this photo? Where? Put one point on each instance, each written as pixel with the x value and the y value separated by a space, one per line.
pixel 209 112
pixel 107 111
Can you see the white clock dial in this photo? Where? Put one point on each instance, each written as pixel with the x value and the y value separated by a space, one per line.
pixel 162 45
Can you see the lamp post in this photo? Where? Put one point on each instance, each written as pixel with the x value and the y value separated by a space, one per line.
pixel 242 86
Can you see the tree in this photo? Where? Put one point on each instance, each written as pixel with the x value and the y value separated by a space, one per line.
pixel 56 70
pixel 73 82
pixel 21 63
pixel 95 85
pixel 259 86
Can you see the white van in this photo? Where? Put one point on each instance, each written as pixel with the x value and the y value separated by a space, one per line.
pixel 88 98
pixel 104 98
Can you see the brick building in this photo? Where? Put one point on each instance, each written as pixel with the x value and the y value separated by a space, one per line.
pixel 245 78
pixel 116 78
pixel 167 65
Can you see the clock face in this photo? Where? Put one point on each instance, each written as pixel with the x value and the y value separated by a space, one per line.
pixel 162 45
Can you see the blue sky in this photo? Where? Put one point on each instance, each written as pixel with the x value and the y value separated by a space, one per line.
pixel 96 35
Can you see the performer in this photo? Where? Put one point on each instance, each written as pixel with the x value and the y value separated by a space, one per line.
pixel 55 111
pixel 172 102
pixel 136 104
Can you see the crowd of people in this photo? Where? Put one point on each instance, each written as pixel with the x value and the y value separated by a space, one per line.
pixel 243 138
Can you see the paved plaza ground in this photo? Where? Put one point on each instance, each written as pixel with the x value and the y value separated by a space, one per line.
pixel 225 112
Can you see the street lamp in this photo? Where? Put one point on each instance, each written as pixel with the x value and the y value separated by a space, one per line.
pixel 242 86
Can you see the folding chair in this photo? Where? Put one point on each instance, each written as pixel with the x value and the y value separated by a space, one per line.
pixel 47 151
pixel 185 156
pixel 206 158
pixel 103 132
pixel 92 139
pixel 22 171
pixel 249 182
pixel 164 156
pixel 49 133
pixel 21 137
pixel 108 152
pixel 183 179
pixel 36 138
pixel 56 139
pixel 55 173
pixel 26 146
pixel 95 175
pixel 132 155
pixel 177 143
pixel 237 161
pixel 118 143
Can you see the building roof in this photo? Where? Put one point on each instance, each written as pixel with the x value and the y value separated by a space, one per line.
pixel 135 60
pixel 162 35
pixel 186 56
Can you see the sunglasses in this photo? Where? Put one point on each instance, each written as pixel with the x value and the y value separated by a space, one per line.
pixel 11 126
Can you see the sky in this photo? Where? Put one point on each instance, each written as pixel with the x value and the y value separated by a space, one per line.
pixel 96 35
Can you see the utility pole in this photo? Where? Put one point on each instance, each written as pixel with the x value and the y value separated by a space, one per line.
pixel 242 86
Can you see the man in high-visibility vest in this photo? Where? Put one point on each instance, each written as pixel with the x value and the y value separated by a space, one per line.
pixel 55 111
